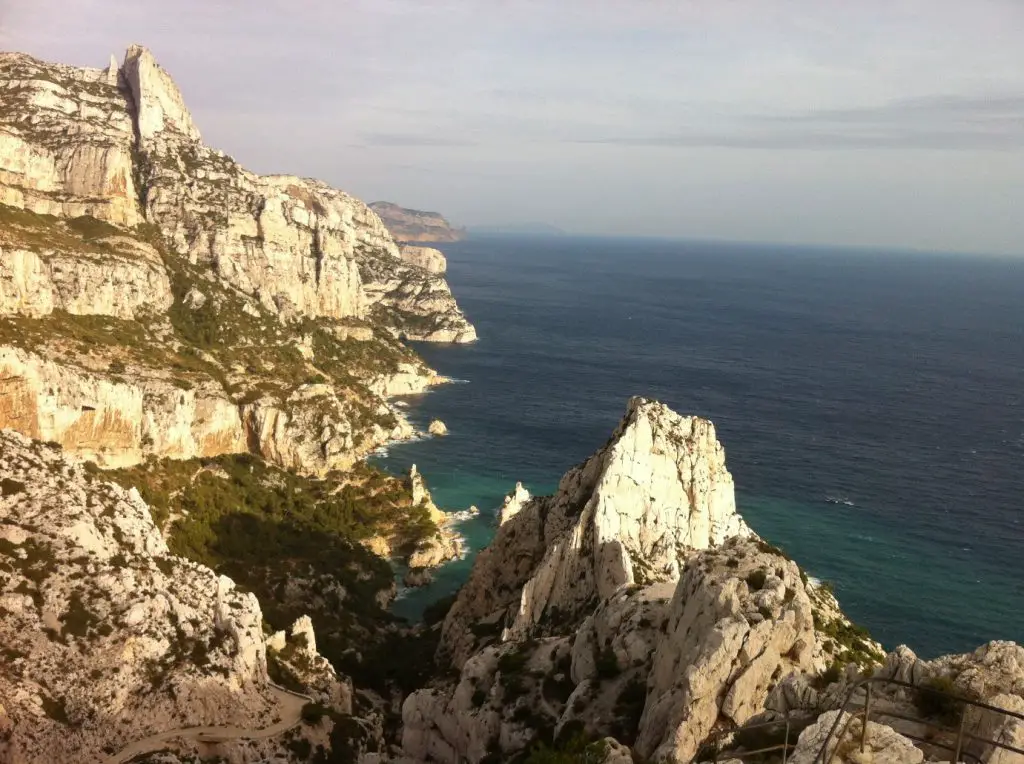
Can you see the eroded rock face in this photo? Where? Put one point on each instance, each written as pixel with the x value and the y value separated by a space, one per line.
pixel 884 744
pixel 416 225
pixel 109 638
pixel 302 248
pixel 656 666
pixel 113 420
pixel 740 621
pixel 131 280
pixel 513 503
pixel 41 104
pixel 427 258
pixel 632 513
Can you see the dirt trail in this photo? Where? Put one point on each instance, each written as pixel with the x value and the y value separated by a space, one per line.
pixel 290 709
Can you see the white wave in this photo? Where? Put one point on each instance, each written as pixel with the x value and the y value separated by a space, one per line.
pixel 463 515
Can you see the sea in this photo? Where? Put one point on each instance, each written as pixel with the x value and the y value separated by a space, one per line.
pixel 871 405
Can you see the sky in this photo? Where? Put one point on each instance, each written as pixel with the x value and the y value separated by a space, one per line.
pixel 896 123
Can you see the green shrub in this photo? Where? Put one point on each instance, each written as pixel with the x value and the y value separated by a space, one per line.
pixel 935 699
pixel 312 713
pixel 607 664
pixel 10 487
pixel 756 580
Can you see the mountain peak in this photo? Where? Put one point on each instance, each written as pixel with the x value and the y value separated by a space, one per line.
pixel 158 102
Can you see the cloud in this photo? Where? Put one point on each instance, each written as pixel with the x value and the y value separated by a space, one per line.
pixel 935 122
pixel 413 140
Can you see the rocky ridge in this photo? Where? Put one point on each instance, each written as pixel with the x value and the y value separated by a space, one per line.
pixel 629 514
pixel 416 225
pixel 234 312
pixel 108 637
pixel 723 630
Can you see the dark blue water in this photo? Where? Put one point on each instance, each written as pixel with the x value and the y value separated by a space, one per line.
pixel 895 381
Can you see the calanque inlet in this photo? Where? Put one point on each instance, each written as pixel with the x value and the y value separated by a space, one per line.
pixel 195 556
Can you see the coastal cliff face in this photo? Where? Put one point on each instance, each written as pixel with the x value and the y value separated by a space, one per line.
pixel 296 245
pixel 416 225
pixel 234 312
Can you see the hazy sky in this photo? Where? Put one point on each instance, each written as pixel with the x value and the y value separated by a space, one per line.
pixel 894 122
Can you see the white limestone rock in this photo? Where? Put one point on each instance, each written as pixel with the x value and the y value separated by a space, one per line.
pixel 655 493
pixel 109 638
pixel 438 428
pixel 740 620
pixel 513 504
pixel 500 697
pixel 127 282
pixel 111 420
pixel 158 103
pixel 884 744
pixel 68 148
pixel 427 258
pixel 41 170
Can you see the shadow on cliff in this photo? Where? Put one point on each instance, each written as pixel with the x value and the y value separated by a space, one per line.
pixel 295 570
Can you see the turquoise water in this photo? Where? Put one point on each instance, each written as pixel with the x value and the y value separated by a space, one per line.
pixel 890 381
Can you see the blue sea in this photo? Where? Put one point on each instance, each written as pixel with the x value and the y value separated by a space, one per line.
pixel 871 405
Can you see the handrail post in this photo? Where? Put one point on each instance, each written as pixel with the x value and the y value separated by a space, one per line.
pixel 785 743
pixel 867 713
pixel 960 733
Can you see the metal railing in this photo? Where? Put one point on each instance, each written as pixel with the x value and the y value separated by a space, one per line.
pixel 850 710
pixel 963 737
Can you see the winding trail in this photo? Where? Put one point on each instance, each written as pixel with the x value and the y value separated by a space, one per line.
pixel 290 709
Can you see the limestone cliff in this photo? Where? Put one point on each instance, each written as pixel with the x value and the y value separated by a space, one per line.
pixel 635 603
pixel 107 637
pixel 416 225
pixel 427 258
pixel 295 244
pixel 631 513
pixel 162 300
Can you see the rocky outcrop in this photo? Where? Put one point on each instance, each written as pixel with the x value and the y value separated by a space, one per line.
pixel 128 281
pixel 313 430
pixel 438 428
pixel 416 225
pixel 883 744
pixel 427 258
pixel 411 302
pixel 111 419
pixel 513 504
pixel 302 248
pixel 634 603
pixel 295 655
pixel 632 513
pixel 41 170
pixel 442 546
pixel 658 666
pixel 740 620
pixel 107 637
